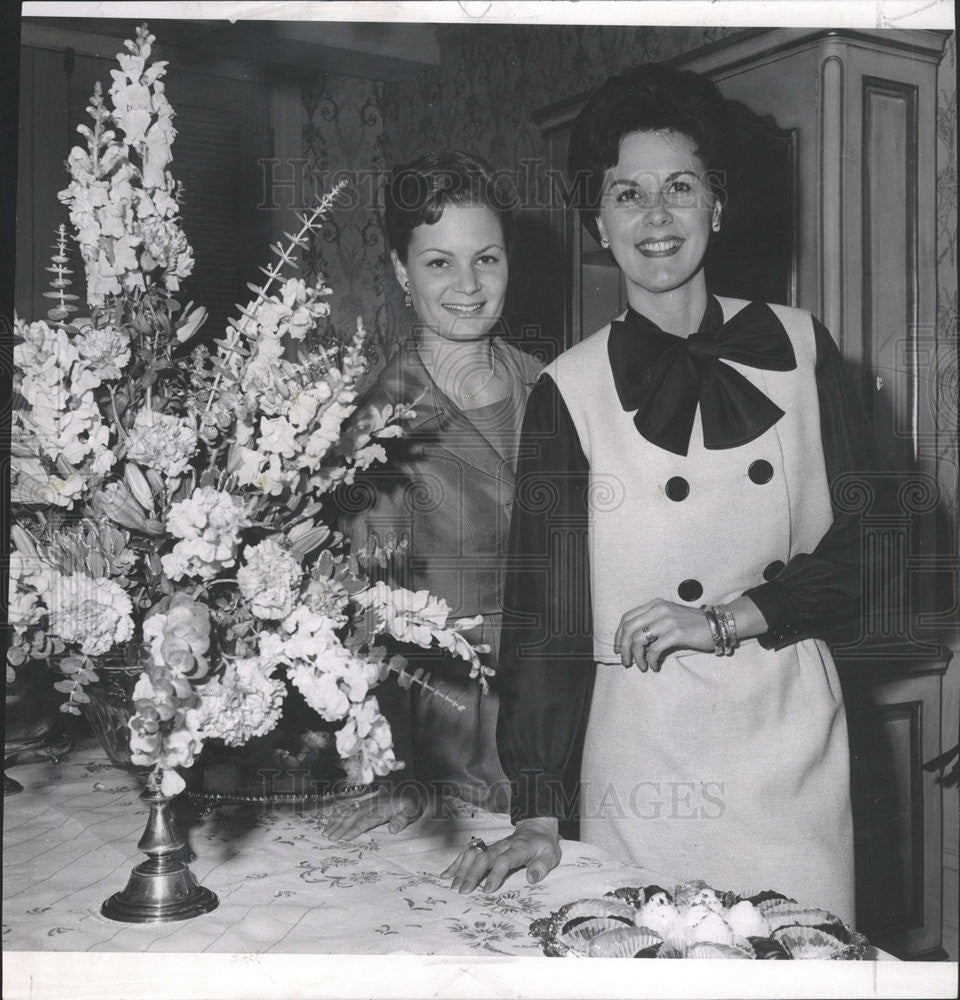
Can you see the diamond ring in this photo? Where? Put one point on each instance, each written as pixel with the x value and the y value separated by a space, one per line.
pixel 649 636
pixel 476 844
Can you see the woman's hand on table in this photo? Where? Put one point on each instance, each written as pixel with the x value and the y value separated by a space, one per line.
pixel 534 845
pixel 397 806
pixel 647 633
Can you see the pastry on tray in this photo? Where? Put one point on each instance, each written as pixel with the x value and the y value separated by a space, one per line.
pixel 692 920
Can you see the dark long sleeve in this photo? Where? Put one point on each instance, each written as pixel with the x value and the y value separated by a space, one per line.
pixel 820 593
pixel 546 655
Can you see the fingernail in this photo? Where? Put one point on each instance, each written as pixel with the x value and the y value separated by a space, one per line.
pixel 535 877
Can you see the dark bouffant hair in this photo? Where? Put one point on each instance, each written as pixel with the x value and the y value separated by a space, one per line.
pixel 418 192
pixel 644 99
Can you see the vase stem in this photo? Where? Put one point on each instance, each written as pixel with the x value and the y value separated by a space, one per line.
pixel 162 888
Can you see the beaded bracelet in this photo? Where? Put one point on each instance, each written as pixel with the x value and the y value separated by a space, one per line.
pixel 712 621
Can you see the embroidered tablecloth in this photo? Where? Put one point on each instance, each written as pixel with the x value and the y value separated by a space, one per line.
pixel 70 842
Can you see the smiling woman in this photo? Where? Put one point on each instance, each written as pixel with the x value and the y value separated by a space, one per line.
pixel 656 216
pixel 437 515
pixel 665 613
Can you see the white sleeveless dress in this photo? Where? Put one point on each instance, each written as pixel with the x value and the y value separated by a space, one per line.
pixel 730 769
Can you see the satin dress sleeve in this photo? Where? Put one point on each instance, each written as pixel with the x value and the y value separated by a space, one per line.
pixel 546 666
pixel 819 593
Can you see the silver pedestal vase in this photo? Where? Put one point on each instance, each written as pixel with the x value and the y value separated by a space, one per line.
pixel 162 888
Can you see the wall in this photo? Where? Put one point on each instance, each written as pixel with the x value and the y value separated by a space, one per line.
pixel 342 136
pixel 482 96
pixel 948 449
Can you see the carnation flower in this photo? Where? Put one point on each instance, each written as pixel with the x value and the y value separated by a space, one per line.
pixel 209 522
pixel 165 246
pixel 95 613
pixel 326 596
pixel 105 349
pixel 162 441
pixel 241 704
pixel 270 580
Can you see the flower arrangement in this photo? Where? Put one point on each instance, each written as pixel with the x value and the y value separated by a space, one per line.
pixel 174 497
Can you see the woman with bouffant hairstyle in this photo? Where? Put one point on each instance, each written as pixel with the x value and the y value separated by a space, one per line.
pixel 677 642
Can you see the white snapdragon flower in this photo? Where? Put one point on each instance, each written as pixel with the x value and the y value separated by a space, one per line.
pixel 278 436
pixel 324 437
pixel 33 484
pixel 365 742
pixel 266 472
pixel 421 618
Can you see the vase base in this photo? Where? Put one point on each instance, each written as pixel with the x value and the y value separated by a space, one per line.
pixel 153 897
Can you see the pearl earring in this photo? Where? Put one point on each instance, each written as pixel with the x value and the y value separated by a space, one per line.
pixel 407 300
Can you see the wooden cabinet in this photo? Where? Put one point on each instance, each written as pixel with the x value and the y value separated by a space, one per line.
pixel 850 165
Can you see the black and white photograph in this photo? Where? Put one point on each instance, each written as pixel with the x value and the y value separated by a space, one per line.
pixel 480 487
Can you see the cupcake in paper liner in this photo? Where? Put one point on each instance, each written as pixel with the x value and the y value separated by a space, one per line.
pixel 766 901
pixel 747 921
pixel 712 949
pixel 808 942
pixel 659 913
pixel 788 915
pixel 604 907
pixel 702 924
pixel 625 942
pixel 637 896
pixel 698 893
pixel 579 936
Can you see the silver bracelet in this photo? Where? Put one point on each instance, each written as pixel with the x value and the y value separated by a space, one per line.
pixel 728 629
pixel 712 621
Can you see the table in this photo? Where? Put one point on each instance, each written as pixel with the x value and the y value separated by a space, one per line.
pixel 70 841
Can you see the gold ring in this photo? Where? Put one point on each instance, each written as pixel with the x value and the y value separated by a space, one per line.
pixel 476 844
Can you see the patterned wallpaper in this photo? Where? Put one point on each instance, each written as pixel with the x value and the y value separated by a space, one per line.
pixel 343 136
pixel 481 97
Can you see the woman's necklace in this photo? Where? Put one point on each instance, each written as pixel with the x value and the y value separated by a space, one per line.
pixel 476 392
pixel 487 380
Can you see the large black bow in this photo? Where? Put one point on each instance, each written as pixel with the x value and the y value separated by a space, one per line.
pixel 664 377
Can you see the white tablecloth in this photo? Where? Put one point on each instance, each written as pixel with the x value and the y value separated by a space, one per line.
pixel 70 841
